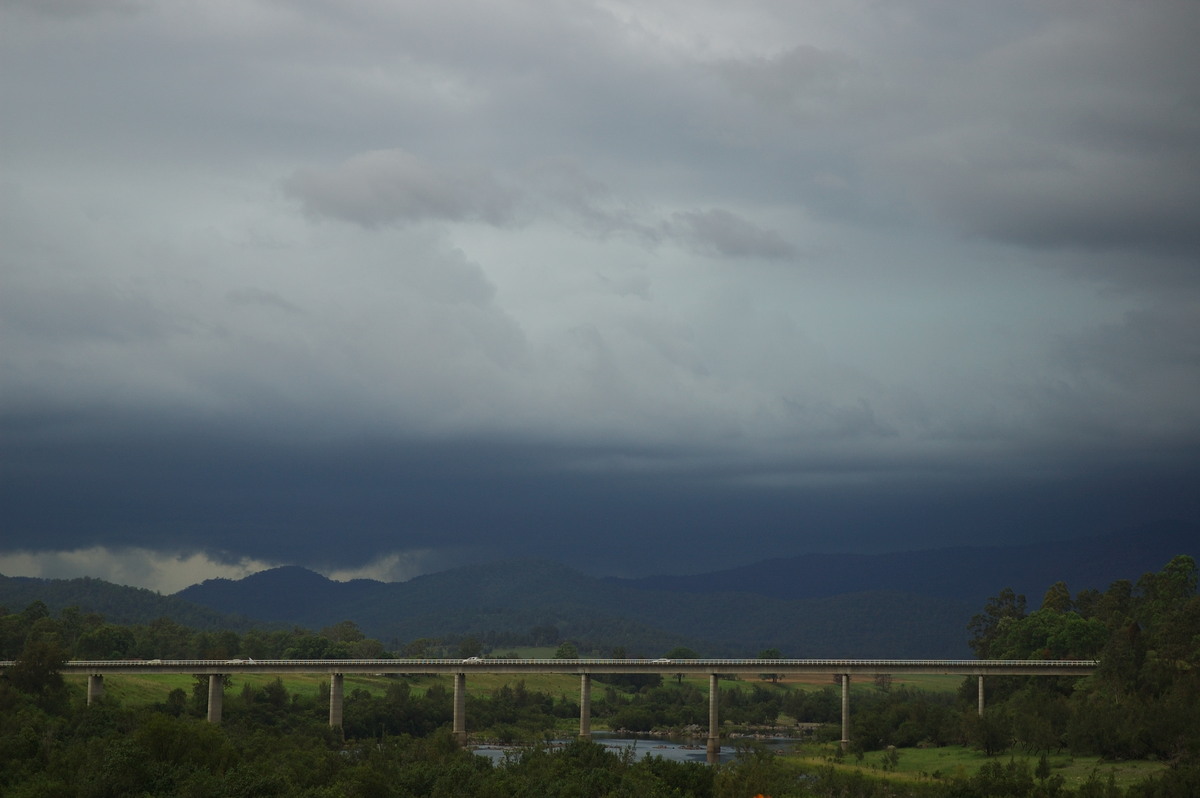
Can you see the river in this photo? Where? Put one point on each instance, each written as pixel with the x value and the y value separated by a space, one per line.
pixel 675 749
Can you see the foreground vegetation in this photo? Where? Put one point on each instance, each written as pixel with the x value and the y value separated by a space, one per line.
pixel 1127 732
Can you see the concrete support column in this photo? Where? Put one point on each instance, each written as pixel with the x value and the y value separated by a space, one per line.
pixel 336 688
pixel 216 694
pixel 95 689
pixel 981 696
pixel 460 708
pixel 585 707
pixel 713 750
pixel 845 711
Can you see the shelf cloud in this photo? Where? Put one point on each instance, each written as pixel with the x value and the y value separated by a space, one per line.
pixel 642 287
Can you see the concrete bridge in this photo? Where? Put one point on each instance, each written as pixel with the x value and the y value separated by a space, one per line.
pixel 845 669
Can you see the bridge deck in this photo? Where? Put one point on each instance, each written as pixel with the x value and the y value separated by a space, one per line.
pixel 854 667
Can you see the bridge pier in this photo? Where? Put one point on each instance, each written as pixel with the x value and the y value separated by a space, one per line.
pixel 585 707
pixel 845 711
pixel 95 688
pixel 216 694
pixel 981 696
pixel 460 708
pixel 336 700
pixel 713 749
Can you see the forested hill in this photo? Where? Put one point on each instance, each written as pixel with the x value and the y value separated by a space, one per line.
pixel 504 601
pixel 281 594
pixel 117 603
pixel 971 573
pixel 909 604
pixel 499 602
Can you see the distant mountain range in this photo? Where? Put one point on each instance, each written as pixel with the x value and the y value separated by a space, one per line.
pixel 514 597
pixel 905 604
pixel 972 573
pixel 117 603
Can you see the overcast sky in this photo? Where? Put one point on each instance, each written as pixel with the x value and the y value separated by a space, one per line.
pixel 381 287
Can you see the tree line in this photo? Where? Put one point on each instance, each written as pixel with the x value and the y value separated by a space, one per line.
pixel 88 635
pixel 1144 698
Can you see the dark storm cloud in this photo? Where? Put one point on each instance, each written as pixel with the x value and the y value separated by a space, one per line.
pixel 365 282
pixel 343 505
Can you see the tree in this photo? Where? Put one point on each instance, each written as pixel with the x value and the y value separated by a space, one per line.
pixel 37 671
pixel 1057 598
pixel 106 642
pixel 1048 634
pixel 34 612
pixel 1115 607
pixel 176 702
pixel 681 652
pixel 367 648
pixel 71 620
pixel 419 648
pixel 344 632
pixel 200 682
pixel 990 732
pixel 544 635
pixel 1042 772
pixel 770 653
pixel 998 610
pixel 469 647
pixel 1170 587
pixel 566 650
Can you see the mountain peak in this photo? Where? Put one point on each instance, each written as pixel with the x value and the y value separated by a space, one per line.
pixel 274 594
pixel 287 573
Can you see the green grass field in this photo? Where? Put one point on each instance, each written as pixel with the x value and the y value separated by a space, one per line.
pixel 153 688
pixel 931 683
pixel 928 763
pixel 138 690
